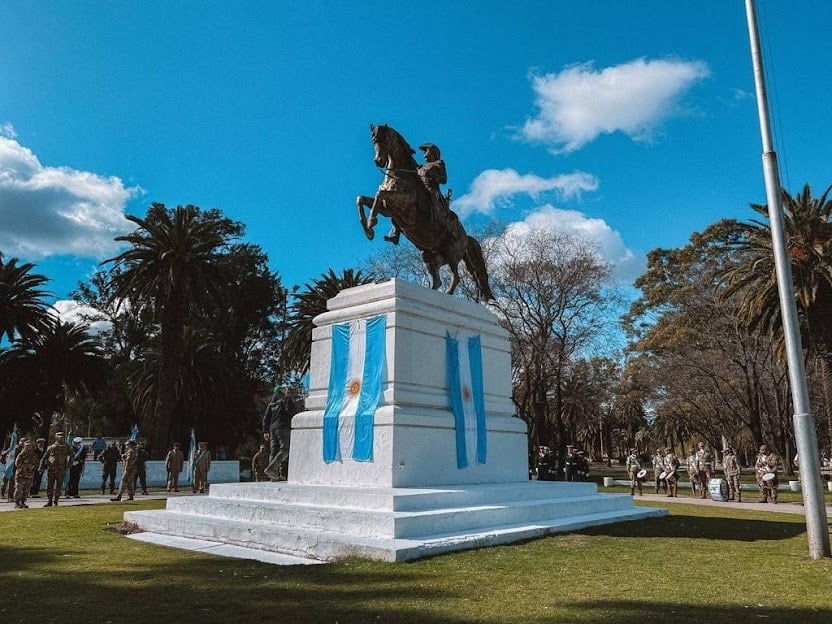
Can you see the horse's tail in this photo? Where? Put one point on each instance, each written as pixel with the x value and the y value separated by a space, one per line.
pixel 475 263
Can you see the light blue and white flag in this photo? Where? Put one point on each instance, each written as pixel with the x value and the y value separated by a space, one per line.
pixel 134 432
pixel 10 457
pixel 189 477
pixel 356 374
pixel 465 382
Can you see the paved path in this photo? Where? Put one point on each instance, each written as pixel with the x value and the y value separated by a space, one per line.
pixel 749 504
pixel 91 499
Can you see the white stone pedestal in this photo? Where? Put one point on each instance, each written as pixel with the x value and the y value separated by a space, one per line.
pixel 411 499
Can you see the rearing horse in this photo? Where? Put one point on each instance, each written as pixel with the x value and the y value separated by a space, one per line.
pixel 404 198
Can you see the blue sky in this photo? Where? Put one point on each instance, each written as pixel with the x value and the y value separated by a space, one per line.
pixel 631 122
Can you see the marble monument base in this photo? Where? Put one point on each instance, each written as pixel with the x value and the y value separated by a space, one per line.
pixel 411 499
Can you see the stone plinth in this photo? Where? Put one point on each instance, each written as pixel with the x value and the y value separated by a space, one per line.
pixel 410 500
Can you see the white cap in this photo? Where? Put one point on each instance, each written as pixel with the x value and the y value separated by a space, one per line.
pixel 77 440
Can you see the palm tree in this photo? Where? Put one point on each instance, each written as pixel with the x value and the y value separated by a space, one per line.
pixel 308 304
pixel 173 269
pixel 61 360
pixel 23 310
pixel 753 278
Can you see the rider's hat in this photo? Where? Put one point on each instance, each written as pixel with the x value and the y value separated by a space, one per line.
pixel 427 146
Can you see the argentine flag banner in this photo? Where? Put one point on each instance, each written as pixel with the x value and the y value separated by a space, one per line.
pixel 465 382
pixel 356 374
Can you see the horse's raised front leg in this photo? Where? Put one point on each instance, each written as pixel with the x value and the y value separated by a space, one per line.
pixel 368 224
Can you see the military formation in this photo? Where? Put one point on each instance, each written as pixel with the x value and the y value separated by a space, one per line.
pixel 23 468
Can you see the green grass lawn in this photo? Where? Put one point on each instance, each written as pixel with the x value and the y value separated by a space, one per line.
pixel 700 564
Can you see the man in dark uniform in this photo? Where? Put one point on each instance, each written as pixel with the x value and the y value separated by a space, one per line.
pixel 277 430
pixel 571 463
pixel 77 459
pixel 109 462
pixel 141 467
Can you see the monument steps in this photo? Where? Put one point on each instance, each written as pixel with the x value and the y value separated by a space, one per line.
pixel 442 515
pixel 325 545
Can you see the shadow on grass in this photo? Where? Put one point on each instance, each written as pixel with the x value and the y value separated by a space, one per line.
pixel 211 589
pixel 701 527
pixel 638 612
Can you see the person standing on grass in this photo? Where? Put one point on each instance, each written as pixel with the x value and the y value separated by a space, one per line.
pixel 658 469
pixel 693 473
pixel 77 460
pixel 633 466
pixel 25 466
pixel 570 467
pixel 202 464
pixel 259 463
pixel 109 462
pixel 173 464
pixel 174 461
pixel 767 464
pixel 128 477
pixel 55 461
pixel 671 468
pixel 141 467
pixel 704 468
pixel 731 468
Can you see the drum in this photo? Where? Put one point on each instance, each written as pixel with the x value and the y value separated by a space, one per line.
pixel 769 476
pixel 662 475
pixel 641 475
pixel 718 489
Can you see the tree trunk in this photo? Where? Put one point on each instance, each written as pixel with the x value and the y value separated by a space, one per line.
pixel 825 360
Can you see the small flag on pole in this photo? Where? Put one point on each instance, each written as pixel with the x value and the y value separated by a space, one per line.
pixel 10 457
pixel 465 382
pixel 355 381
pixel 189 477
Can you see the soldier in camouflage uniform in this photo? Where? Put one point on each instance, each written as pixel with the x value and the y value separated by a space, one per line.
pixel 658 469
pixel 202 464
pixel 128 476
pixel 693 474
pixel 633 466
pixel 704 468
pixel 259 463
pixel 25 466
pixel 671 467
pixel 55 461
pixel 173 464
pixel 731 468
pixel 767 462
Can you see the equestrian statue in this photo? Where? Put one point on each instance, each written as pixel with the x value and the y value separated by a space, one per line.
pixel 410 196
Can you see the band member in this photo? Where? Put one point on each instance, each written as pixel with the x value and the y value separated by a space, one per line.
pixel 693 473
pixel 766 466
pixel 633 468
pixel 671 467
pixel 704 468
pixel 731 468
pixel 658 469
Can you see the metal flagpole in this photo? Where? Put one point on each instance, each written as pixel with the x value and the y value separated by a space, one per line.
pixel 804 425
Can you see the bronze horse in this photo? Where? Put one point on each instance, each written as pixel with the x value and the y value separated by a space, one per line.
pixel 404 198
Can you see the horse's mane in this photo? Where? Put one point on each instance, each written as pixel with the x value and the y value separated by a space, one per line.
pixel 409 151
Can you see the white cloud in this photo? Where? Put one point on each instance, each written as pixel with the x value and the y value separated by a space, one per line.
pixel 627 264
pixel 7 130
pixel 495 186
pixel 46 211
pixel 580 103
pixel 73 312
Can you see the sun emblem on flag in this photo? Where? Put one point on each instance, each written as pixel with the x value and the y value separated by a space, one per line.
pixel 466 393
pixel 354 387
